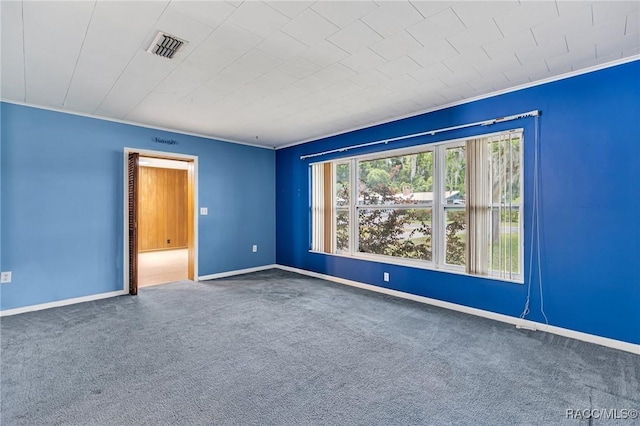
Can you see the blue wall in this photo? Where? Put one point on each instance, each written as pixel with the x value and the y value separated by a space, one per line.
pixel 590 204
pixel 61 181
pixel 62 203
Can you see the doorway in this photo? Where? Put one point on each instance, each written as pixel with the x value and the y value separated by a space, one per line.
pixel 162 221
pixel 160 218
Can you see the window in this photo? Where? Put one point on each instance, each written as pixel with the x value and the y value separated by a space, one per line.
pixel 451 206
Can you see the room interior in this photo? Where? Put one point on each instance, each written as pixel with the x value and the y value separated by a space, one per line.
pixel 163 242
pixel 305 121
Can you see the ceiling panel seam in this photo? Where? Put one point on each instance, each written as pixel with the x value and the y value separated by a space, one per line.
pixel 24 53
pixel 178 64
pixel 75 67
pixel 474 99
pixel 128 63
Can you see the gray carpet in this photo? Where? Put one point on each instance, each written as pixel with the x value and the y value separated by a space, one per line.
pixel 276 348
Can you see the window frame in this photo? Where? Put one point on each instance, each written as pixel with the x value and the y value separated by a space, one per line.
pixel 337 208
pixel 443 206
pixel 354 248
pixel 519 277
pixel 438 208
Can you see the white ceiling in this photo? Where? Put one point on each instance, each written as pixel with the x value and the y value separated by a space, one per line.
pixel 274 73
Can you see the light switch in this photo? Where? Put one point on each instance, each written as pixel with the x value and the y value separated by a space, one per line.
pixel 204 211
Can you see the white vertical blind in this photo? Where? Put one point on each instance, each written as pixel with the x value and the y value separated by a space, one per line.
pixel 505 172
pixel 478 206
pixel 317 207
pixel 486 241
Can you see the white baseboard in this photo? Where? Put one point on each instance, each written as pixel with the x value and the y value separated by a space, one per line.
pixel 236 272
pixel 518 322
pixel 58 303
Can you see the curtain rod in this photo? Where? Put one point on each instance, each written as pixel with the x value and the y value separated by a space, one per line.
pixel 533 113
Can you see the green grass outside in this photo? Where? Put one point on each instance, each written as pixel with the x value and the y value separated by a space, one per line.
pixel 509 249
pixel 508 255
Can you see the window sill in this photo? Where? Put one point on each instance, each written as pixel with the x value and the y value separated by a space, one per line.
pixel 418 264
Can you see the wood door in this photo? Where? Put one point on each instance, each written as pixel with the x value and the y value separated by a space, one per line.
pixel 175 225
pixel 190 219
pixel 164 208
pixel 151 232
pixel 133 222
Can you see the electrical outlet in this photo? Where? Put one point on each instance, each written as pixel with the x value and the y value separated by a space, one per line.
pixel 386 277
pixel 5 277
pixel 255 248
pixel 204 211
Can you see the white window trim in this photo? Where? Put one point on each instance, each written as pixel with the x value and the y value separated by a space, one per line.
pixel 416 264
pixel 438 207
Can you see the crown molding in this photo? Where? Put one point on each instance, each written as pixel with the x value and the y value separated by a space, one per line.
pixel 133 123
pixel 474 99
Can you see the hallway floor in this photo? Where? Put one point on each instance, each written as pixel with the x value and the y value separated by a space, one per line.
pixel 162 267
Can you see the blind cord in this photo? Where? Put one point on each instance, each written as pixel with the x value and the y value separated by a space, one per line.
pixel 535 231
pixel 536 205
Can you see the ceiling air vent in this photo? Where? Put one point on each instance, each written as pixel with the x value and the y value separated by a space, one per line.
pixel 165 45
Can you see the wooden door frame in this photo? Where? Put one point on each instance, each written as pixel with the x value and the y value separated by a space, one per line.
pixel 192 204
